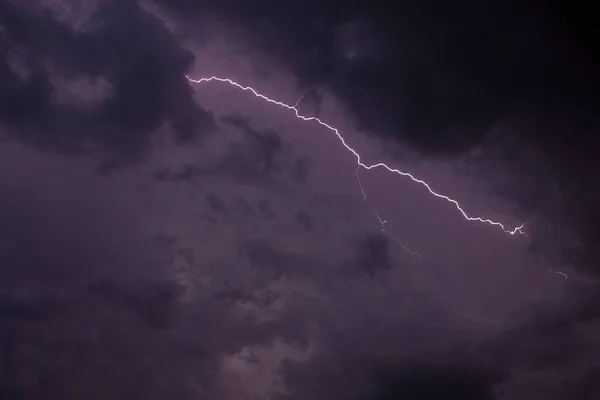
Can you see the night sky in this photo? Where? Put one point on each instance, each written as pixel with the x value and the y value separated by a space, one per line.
pixel 165 239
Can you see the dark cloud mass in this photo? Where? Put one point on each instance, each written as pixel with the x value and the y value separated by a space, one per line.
pixel 444 79
pixel 124 46
pixel 160 239
pixel 374 253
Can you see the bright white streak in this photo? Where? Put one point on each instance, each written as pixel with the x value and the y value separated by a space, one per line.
pixel 357 155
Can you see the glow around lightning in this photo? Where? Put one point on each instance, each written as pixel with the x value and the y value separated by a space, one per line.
pixel 360 163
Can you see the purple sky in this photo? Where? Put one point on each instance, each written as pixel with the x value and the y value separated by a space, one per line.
pixel 166 240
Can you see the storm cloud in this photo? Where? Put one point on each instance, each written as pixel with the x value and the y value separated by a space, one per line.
pixel 122 51
pixel 163 239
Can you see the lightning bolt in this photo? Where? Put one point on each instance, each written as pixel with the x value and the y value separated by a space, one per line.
pixel 555 272
pixel 396 239
pixel 382 221
pixel 359 162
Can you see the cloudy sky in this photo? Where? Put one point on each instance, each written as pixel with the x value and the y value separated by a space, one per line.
pixel 165 239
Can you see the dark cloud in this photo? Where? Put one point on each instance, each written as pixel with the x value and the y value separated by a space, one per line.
pixel 374 254
pixel 258 158
pixel 431 382
pixel 128 48
pixel 242 207
pixel 216 204
pixel 554 350
pixel 184 174
pixel 509 92
pixel 445 85
pixel 89 306
pixel 263 256
pixel 256 153
pixel 269 142
pixel 385 345
pixel 301 170
pixel 304 219
pixel 74 302
pixel 94 306
pixel 265 209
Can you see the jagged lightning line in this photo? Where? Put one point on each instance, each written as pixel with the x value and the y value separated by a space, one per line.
pixel 382 221
pixel 359 162
pixel 556 272
pixel 396 239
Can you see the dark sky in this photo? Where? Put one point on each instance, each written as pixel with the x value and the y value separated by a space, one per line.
pixel 161 239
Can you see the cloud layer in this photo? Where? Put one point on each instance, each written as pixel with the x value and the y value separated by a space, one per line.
pixel 161 239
